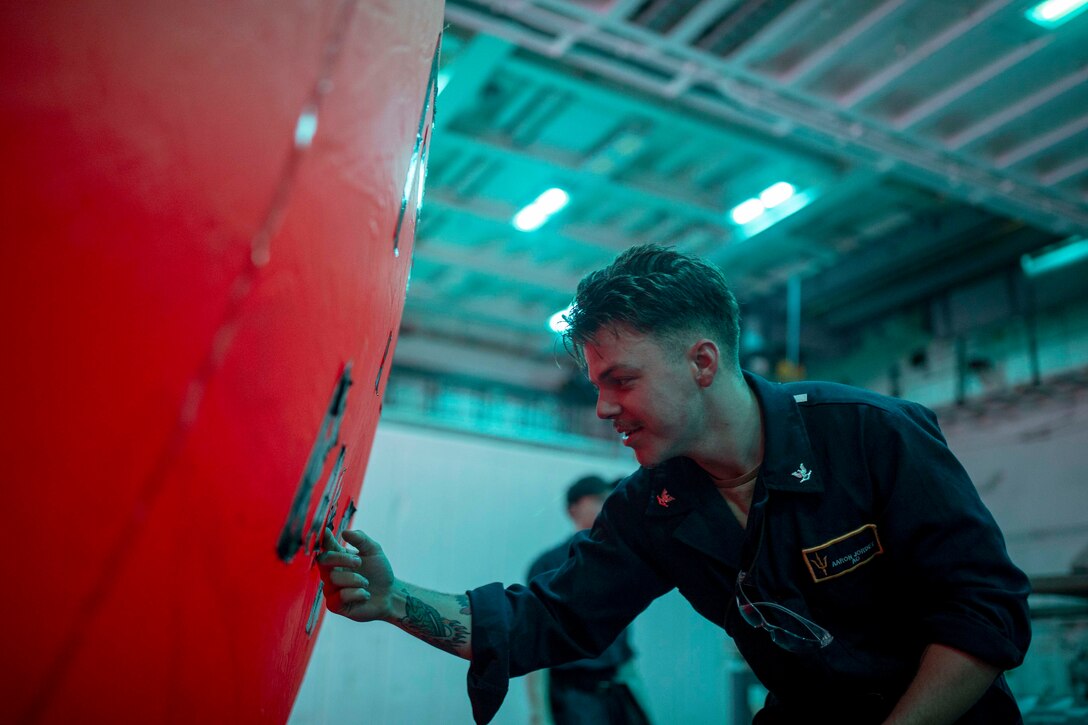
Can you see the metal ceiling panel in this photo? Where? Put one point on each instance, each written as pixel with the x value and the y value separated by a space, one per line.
pixel 658 117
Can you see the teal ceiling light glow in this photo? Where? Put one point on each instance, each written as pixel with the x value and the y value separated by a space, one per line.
pixel 751 209
pixel 533 215
pixel 775 194
pixel 1052 13
pixel 1063 254
pixel 557 323
pixel 747 211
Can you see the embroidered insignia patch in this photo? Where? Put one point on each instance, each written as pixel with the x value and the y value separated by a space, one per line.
pixel 664 499
pixel 843 553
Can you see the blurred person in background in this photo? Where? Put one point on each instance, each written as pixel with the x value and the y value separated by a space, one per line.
pixel 593 691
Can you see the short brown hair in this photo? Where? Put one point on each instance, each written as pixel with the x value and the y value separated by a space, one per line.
pixel 657 291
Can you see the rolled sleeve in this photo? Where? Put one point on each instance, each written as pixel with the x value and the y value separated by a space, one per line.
pixel 977 639
pixel 489 671
pixel 974 598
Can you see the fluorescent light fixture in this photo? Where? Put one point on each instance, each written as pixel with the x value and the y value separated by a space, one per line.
pixel 747 211
pixel 530 218
pixel 552 200
pixel 770 217
pixel 1073 249
pixel 556 321
pixel 1052 13
pixel 533 215
pixel 775 194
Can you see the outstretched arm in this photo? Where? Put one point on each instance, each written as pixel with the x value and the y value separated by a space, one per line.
pixel 948 683
pixel 360 585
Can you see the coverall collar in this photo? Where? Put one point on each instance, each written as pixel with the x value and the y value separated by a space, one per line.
pixel 680 488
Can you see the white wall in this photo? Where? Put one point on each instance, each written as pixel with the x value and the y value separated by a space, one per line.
pixel 453 512
pixel 1028 460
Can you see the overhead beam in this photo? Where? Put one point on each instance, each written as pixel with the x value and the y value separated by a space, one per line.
pixel 904 290
pixel 622 8
pixel 468 73
pixel 872 264
pixel 1038 144
pixel 1065 171
pixel 1011 112
pixel 698 19
pixel 629 104
pixel 758 101
pixel 828 195
pixel 816 61
pixel 880 80
pixel 500 216
pixel 480 315
pixel 545 277
pixel 774 33
pixel 635 195
pixel 957 90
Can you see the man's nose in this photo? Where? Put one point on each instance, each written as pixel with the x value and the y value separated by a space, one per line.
pixel 606 408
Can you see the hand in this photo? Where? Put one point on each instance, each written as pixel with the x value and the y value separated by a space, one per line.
pixel 357 585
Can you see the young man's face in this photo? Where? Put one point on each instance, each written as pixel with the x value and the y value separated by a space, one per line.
pixel 648 393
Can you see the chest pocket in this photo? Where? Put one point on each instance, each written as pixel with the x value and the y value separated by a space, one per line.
pixel 843 555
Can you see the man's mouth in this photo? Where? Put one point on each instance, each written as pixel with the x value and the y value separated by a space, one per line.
pixel 627 431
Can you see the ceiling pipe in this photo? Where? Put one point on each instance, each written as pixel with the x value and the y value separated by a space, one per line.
pixel 793 320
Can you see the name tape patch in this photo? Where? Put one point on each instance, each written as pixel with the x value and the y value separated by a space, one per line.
pixel 843 554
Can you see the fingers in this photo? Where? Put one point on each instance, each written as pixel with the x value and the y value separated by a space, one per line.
pixel 349 603
pixel 335 555
pixel 346 578
pixel 366 545
pixel 329 542
pixel 331 559
pixel 347 590
pixel 354 596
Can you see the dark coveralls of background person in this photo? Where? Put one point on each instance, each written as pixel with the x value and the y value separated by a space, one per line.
pixel 828 529
pixel 593 691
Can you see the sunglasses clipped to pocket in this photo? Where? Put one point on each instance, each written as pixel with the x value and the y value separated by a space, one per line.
pixel 786 628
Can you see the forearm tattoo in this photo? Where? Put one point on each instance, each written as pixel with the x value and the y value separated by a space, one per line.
pixel 425 622
pixel 462 599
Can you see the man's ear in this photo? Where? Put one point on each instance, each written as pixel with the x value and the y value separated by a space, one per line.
pixel 705 358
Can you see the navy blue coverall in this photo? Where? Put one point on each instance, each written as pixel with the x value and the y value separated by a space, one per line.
pixel 862 521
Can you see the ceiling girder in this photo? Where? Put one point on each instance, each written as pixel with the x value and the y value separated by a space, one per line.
pixel 632 193
pixel 938 42
pixel 940 277
pixel 826 124
pixel 819 59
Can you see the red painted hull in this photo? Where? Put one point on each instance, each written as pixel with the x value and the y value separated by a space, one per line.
pixel 190 277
